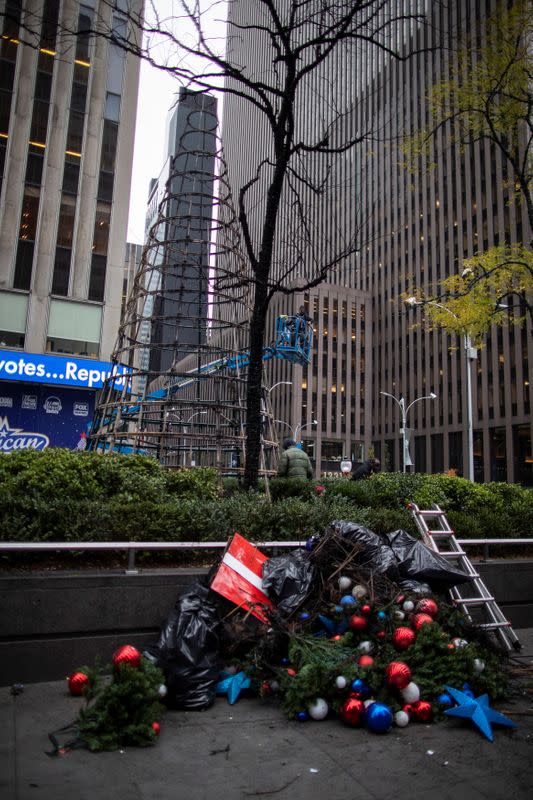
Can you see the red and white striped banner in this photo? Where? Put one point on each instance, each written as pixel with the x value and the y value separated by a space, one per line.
pixel 239 577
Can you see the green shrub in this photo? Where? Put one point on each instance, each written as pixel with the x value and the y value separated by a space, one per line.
pixel 57 495
pixel 197 482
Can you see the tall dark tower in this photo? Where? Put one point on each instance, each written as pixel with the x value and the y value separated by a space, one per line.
pixel 181 300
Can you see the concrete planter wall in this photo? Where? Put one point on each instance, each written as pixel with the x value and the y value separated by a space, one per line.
pixel 52 624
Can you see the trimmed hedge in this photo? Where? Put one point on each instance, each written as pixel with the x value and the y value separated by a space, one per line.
pixel 58 495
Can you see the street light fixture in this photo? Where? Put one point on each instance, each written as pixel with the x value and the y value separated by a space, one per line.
pixel 298 429
pixel 279 383
pixel 400 402
pixel 470 356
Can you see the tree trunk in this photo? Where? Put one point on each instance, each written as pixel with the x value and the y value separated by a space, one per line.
pixel 253 389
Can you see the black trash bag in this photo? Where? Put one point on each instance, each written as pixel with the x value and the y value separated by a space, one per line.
pixel 415 587
pixel 287 580
pixel 376 554
pixel 420 563
pixel 188 651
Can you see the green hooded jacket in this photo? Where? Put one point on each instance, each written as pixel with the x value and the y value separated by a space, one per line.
pixel 294 463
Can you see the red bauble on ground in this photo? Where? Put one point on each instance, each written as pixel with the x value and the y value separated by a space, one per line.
pixel 402 638
pixel 422 711
pixel 421 619
pixel 127 655
pixel 398 674
pixel 427 606
pixel 365 661
pixel 156 727
pixel 357 623
pixel 352 712
pixel 77 683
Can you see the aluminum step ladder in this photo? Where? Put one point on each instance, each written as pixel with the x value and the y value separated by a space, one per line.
pixel 472 598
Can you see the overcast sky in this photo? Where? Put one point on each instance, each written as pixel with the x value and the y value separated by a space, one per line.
pixel 157 94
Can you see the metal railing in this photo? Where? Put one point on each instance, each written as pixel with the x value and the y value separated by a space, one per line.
pixel 133 547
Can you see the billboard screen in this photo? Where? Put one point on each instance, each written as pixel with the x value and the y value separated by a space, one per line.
pixel 33 416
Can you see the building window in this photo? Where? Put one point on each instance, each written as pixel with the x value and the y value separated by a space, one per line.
pixel 74 328
pixel 27 233
pixel 13 314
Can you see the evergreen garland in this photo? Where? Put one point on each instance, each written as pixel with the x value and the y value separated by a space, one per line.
pixel 121 712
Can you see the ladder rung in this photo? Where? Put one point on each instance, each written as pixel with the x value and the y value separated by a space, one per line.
pixel 451 553
pixel 494 625
pixel 475 601
pixel 440 533
pixel 430 513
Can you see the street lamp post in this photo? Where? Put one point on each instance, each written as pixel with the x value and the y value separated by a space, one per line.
pixel 470 356
pixel 186 422
pixel 400 402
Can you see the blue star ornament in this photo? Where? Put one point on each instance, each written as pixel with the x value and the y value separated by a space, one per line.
pixel 232 685
pixel 478 710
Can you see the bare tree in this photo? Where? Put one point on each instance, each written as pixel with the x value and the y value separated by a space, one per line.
pixel 280 57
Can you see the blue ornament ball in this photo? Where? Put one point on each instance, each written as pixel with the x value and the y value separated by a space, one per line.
pixel 360 688
pixel 338 609
pixel 305 615
pixel 381 615
pixel 311 543
pixel 285 662
pixel 348 600
pixel 379 718
pixel 302 716
pixel 444 699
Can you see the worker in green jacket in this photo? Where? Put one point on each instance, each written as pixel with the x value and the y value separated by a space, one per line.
pixel 294 463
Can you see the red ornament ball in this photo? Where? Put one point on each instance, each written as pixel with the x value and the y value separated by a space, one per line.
pixel 365 661
pixel 127 655
pixel 291 672
pixel 366 609
pixel 402 638
pixel 357 623
pixel 336 638
pixel 381 634
pixel 421 619
pixel 156 727
pixel 408 708
pixel 352 712
pixel 398 674
pixel 422 711
pixel 77 683
pixel 427 606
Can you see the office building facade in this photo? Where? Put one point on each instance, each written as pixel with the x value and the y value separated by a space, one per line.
pixel 414 230
pixel 67 118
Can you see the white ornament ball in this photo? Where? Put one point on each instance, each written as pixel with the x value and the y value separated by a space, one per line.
pixel 162 691
pixel 411 693
pixel 340 682
pixel 369 702
pixel 344 583
pixel 478 665
pixel 274 685
pixel 365 648
pixel 399 615
pixel 319 709
pixel 457 642
pixel 401 719
pixel 408 606
pixel 359 591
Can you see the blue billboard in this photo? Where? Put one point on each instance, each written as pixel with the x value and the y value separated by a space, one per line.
pixel 59 370
pixel 34 416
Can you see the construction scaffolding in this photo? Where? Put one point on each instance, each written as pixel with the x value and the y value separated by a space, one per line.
pixel 185 331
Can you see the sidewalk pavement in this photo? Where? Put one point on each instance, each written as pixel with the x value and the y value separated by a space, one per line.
pixel 250 750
